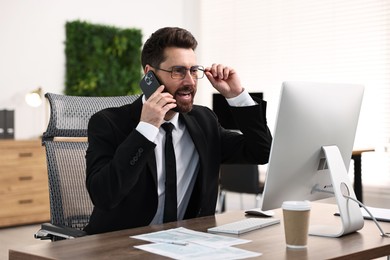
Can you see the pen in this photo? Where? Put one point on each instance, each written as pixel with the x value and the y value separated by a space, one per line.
pixel 172 242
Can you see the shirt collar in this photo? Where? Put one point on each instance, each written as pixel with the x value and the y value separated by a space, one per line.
pixel 174 121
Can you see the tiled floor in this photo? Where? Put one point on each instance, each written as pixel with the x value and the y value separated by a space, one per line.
pixel 24 235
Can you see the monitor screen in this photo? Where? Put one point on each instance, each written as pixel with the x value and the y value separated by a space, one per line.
pixel 310 116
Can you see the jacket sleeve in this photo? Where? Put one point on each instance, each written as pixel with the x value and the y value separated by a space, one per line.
pixel 253 144
pixel 115 161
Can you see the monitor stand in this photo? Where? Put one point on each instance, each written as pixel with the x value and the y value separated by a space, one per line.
pixel 350 213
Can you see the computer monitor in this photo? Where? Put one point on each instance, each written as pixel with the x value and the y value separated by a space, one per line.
pixel 312 148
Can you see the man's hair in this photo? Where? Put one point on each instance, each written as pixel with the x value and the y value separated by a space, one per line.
pixel 153 51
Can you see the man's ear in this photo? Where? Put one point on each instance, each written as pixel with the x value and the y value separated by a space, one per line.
pixel 147 68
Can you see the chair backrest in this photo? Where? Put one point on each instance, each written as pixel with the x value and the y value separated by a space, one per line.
pixel 242 178
pixel 65 142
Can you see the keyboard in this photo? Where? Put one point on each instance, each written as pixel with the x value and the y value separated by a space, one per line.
pixel 244 225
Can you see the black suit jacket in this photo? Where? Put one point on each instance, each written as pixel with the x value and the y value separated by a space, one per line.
pixel 121 166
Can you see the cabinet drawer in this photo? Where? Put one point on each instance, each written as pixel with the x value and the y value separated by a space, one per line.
pixel 23 179
pixel 22 156
pixel 22 183
pixel 23 173
pixel 28 207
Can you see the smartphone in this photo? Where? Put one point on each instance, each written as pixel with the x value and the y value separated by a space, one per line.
pixel 149 83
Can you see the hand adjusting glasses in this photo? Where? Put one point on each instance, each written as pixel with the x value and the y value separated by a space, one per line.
pixel 180 72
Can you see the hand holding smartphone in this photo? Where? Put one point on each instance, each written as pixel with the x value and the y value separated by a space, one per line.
pixel 149 83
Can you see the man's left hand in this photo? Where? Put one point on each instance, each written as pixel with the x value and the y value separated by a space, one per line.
pixel 224 79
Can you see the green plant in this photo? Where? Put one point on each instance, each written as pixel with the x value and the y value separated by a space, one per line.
pixel 102 60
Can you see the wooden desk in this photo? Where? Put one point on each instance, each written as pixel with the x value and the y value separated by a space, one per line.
pixel 365 244
pixel 357 182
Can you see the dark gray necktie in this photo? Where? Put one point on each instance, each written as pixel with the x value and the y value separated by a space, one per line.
pixel 170 209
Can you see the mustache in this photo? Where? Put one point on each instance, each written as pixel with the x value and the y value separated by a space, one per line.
pixel 186 88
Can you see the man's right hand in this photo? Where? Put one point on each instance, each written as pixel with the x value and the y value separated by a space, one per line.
pixel 156 106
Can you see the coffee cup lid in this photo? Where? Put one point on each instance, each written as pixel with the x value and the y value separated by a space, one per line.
pixel 296 205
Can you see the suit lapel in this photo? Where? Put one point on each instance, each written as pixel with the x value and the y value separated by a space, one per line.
pixel 199 138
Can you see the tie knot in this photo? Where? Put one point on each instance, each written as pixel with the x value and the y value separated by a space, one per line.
pixel 168 127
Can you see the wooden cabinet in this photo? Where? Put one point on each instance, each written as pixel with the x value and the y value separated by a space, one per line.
pixel 24 195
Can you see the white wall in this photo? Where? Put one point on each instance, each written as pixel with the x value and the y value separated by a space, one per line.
pixel 32 43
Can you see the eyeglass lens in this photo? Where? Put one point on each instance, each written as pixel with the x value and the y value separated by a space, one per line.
pixel 195 71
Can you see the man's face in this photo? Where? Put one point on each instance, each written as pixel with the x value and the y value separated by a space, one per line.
pixel 183 90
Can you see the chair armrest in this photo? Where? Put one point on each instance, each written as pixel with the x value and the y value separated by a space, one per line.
pixel 50 231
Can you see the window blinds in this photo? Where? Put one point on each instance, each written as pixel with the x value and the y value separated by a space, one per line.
pixel 271 41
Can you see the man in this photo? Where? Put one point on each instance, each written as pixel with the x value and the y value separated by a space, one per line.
pixel 125 157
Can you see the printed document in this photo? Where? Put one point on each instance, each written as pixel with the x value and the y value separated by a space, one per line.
pixel 182 243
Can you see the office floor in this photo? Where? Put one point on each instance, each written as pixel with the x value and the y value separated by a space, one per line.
pixel 21 236
pixel 15 237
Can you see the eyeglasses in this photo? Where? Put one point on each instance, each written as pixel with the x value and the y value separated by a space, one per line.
pixel 180 72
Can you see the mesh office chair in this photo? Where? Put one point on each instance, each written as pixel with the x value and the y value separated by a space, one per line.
pixel 65 142
pixel 240 178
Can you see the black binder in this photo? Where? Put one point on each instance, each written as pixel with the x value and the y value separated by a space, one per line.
pixel 7 130
pixel 2 124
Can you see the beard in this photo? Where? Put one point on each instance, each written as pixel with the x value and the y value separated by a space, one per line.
pixel 184 105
